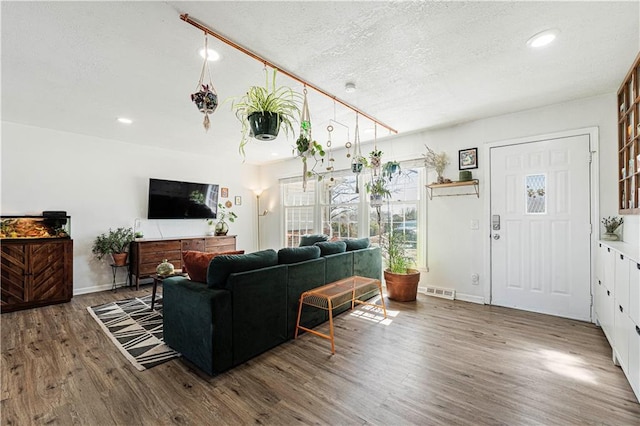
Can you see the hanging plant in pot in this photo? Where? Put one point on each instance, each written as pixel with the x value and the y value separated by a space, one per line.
pixel 263 111
pixel 307 148
pixel 206 98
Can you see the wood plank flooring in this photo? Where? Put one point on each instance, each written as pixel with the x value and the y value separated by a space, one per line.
pixel 436 362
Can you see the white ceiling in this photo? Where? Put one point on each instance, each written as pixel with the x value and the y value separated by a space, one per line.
pixel 77 66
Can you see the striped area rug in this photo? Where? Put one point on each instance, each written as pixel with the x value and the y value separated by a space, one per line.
pixel 135 329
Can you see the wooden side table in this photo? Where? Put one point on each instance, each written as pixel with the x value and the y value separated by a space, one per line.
pixel 159 279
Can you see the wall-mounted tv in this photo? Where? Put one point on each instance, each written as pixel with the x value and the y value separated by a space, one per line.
pixel 169 199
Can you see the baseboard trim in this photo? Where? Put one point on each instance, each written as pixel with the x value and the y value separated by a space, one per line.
pixel 96 288
pixel 470 298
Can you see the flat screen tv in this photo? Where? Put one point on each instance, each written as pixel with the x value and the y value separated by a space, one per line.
pixel 169 199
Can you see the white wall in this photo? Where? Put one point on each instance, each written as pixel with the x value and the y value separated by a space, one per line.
pixel 454 250
pixel 104 183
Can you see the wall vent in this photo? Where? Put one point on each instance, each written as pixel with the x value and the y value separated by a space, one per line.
pixel 444 293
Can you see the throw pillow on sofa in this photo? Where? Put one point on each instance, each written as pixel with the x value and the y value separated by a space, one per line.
pixel 331 247
pixel 195 263
pixel 311 239
pixel 357 243
pixel 289 255
pixel 222 266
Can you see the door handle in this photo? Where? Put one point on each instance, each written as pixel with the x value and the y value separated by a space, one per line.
pixel 496 236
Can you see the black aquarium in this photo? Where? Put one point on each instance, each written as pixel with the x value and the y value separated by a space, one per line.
pixel 169 199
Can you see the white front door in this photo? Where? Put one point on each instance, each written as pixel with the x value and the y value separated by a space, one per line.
pixel 540 220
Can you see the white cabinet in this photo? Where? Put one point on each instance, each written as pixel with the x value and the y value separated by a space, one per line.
pixel 634 326
pixel 617 305
pixel 634 291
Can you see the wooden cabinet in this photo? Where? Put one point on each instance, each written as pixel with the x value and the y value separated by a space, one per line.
pixel 36 273
pixel 146 255
pixel 629 141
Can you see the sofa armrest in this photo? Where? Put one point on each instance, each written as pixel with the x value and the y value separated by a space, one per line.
pixel 197 323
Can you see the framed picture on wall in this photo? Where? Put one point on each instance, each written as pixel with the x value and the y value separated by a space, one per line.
pixel 468 159
pixel 238 200
pixel 224 192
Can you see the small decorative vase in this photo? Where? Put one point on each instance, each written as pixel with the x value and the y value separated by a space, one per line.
pixel 165 268
pixel 119 259
pixel 356 167
pixel 440 179
pixel 610 236
pixel 222 228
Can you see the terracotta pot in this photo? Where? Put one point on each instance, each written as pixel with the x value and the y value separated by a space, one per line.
pixel 119 259
pixel 402 287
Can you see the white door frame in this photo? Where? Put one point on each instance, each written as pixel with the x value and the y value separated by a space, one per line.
pixel 594 169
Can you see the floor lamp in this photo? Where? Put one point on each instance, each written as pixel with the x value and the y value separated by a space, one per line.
pixel 260 214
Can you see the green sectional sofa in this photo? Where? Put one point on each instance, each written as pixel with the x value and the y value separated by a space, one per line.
pixel 250 302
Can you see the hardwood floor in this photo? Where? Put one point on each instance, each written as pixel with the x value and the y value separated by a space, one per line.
pixel 435 362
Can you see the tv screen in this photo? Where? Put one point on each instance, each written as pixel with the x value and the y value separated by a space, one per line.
pixel 170 199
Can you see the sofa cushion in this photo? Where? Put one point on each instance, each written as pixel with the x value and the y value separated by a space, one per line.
pixel 289 255
pixel 311 239
pixel 195 263
pixel 331 247
pixel 357 243
pixel 222 266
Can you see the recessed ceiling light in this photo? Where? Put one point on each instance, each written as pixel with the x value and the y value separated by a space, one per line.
pixel 350 87
pixel 543 38
pixel 212 54
pixel 124 120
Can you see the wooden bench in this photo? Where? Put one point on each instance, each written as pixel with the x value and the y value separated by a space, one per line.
pixel 324 298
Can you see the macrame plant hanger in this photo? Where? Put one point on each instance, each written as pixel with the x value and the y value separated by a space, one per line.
pixel 357 163
pixel 305 131
pixel 205 97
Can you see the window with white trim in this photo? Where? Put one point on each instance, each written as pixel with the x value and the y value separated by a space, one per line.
pixel 299 210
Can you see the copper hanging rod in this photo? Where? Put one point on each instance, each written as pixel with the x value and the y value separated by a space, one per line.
pixel 185 17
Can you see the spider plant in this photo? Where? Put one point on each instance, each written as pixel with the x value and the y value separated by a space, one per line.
pixel 280 101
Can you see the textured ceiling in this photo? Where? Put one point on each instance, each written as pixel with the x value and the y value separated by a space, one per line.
pixel 76 66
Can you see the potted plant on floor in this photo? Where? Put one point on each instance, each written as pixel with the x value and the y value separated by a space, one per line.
pixel 116 243
pixel 262 111
pixel 400 278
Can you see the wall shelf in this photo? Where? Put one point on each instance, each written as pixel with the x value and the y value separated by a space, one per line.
pixel 475 183
pixel 629 142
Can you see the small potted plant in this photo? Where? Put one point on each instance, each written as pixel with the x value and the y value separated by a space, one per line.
pixel 400 278
pixel 610 225
pixel 437 162
pixel 262 111
pixel 221 226
pixel 116 243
